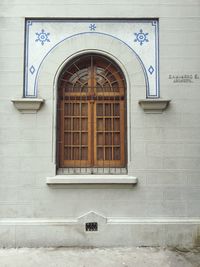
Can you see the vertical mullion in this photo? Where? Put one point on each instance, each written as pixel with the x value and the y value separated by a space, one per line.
pixel 91 106
pixel 62 143
pixel 72 123
pixel 122 131
pixel 104 137
pixel 112 129
pixel 93 83
pixel 90 115
pixel 114 133
pixel 95 134
pixel 72 130
pixel 80 131
pixel 108 136
pixel 122 122
pixel 89 134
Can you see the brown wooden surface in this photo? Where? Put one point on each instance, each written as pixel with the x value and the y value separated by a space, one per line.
pixel 91 103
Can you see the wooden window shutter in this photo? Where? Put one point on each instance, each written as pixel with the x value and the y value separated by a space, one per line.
pixel 91 114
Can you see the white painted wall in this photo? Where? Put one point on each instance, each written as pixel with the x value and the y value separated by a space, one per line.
pixel 164 208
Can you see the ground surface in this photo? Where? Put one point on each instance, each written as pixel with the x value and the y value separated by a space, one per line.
pixel 101 257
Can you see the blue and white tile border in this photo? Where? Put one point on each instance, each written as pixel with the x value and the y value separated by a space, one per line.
pixel 141 36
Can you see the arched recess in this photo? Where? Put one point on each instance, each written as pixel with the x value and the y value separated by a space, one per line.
pixel 113 48
pixel 91 114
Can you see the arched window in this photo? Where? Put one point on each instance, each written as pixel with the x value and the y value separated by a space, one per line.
pixel 91 119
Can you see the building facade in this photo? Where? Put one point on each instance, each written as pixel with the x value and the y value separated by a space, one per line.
pixel 100 125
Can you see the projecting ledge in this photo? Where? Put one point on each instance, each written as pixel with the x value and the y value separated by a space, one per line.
pixel 154 105
pixel 91 179
pixel 28 105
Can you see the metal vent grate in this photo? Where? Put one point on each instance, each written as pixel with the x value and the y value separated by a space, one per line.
pixel 91 227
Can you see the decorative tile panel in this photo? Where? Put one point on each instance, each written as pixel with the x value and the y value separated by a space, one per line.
pixel 141 36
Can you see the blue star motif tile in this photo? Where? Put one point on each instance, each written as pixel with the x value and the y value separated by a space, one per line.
pixel 42 37
pixel 141 37
pixel 32 69
pixel 151 70
pixel 92 27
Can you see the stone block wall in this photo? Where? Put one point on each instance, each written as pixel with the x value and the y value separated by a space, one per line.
pixel 164 207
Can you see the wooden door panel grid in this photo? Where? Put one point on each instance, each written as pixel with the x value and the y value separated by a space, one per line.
pixel 92 109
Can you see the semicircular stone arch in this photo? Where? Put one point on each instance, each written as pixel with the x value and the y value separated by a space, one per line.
pixel 68 49
pixel 124 56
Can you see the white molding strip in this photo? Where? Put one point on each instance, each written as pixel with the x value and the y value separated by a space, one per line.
pixel 121 220
pixel 91 179
pixel 28 105
pixel 154 105
pixel 128 220
pixel 45 222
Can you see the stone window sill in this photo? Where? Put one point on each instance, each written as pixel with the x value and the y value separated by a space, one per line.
pixel 91 179
pixel 154 105
pixel 28 105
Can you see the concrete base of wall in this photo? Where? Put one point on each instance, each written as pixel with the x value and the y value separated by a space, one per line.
pixel 177 232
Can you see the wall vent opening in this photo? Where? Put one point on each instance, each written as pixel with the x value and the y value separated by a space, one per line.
pixel 91 227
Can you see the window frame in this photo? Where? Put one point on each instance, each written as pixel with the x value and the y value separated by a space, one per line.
pixel 109 166
pixel 134 74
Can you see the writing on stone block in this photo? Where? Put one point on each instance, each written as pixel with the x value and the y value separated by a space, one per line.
pixel 184 78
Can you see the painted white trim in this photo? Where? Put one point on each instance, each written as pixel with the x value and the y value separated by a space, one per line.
pixel 154 105
pixel 28 105
pixel 103 52
pixel 91 179
pixel 44 222
pixel 121 220
pixel 63 53
pixel 128 220
pixel 121 54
